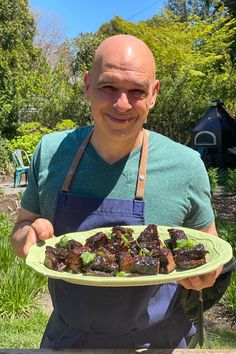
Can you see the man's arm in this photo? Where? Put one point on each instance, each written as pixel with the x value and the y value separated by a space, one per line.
pixel 29 229
pixel 210 229
pixel 205 280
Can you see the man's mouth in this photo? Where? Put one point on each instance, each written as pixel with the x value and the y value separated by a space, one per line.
pixel 120 120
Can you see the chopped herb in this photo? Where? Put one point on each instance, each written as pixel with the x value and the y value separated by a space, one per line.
pixel 110 235
pixel 125 239
pixel 121 274
pixel 63 241
pixel 184 243
pixel 145 251
pixel 87 257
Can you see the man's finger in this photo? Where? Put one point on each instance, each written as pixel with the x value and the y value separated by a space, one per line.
pixel 43 229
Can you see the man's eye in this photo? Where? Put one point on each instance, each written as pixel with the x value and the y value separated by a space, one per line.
pixel 138 93
pixel 108 88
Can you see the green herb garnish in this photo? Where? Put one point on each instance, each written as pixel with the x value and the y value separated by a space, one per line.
pixel 184 243
pixel 87 257
pixel 63 241
pixel 110 235
pixel 121 274
pixel 125 239
pixel 145 251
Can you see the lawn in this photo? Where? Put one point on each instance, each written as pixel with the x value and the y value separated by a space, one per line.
pixel 22 323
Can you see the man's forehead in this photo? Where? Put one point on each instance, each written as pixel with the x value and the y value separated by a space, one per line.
pixel 123 69
pixel 124 55
pixel 119 76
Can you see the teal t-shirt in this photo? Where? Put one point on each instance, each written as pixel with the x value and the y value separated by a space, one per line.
pixel 177 191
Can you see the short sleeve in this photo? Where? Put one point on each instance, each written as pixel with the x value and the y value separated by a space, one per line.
pixel 30 199
pixel 201 213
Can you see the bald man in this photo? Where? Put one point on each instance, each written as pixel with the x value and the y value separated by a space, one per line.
pixel 115 173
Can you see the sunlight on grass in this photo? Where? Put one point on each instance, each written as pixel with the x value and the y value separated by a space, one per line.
pixel 23 332
pixel 221 338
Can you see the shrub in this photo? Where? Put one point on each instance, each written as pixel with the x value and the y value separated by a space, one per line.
pixel 230 295
pixel 227 231
pixel 4 154
pixel 65 124
pixel 231 181
pixel 213 175
pixel 29 135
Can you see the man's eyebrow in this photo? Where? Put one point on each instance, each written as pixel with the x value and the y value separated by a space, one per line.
pixel 135 84
pixel 105 81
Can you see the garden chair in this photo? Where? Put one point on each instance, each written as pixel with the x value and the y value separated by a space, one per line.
pixel 21 162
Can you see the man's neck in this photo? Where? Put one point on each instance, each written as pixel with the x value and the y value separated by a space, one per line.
pixel 112 150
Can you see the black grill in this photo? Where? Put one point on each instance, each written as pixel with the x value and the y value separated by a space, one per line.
pixel 213 135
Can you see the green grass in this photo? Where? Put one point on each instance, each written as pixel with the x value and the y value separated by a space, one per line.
pixel 227 231
pixel 24 331
pixel 220 338
pixel 19 284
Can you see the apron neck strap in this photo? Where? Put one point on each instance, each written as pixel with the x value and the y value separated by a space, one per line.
pixel 69 177
pixel 141 179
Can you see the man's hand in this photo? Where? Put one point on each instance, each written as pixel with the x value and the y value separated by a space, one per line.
pixel 202 281
pixel 29 229
pixel 205 280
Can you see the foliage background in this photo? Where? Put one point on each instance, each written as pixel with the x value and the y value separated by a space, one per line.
pixel 42 80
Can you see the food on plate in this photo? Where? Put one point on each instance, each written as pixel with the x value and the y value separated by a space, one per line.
pixel 119 253
pixel 187 255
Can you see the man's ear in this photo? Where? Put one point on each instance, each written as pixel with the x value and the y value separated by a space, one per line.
pixel 86 85
pixel 156 88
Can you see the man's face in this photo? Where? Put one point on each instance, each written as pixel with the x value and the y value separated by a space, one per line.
pixel 121 90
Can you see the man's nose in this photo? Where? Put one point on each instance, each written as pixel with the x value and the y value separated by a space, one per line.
pixel 122 103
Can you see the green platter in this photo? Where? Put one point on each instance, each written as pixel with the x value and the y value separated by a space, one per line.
pixel 220 252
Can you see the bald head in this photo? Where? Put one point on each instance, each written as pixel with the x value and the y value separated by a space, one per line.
pixel 124 49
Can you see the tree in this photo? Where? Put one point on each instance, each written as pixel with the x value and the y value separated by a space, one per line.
pixel 17 56
pixel 193 64
pixel 84 46
pixel 183 9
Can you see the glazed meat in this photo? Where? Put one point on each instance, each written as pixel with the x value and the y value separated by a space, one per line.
pixel 104 263
pixel 150 234
pixel 119 252
pixel 167 262
pixel 176 235
pixel 125 262
pixel 186 253
pixel 51 259
pixel 96 240
pixel 145 265
pixel 190 264
pixel 120 230
pixel 190 257
pixel 56 259
pixel 74 258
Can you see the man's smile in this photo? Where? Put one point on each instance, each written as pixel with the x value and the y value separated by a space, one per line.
pixel 119 120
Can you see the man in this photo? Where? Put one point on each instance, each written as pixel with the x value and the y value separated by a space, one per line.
pixel 115 174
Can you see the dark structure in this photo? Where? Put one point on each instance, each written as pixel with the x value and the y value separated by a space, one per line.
pixel 214 133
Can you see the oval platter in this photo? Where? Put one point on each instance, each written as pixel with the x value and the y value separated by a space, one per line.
pixel 220 252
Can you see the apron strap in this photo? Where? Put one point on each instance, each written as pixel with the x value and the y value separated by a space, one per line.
pixel 141 179
pixel 69 177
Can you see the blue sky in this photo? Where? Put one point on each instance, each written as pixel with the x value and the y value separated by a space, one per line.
pixel 76 16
